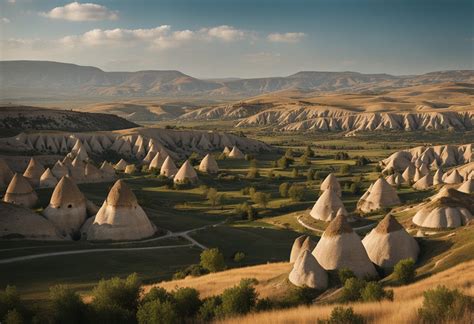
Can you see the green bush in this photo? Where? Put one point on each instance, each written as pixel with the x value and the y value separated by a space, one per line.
pixel 186 302
pixel 283 189
pixel 253 173
pixel 296 192
pixel 309 151
pixel 345 169
pixel 442 304
pixel 374 291
pixel 310 174
pixel 284 162
pixel 123 293
pixel 212 260
pixel 208 309
pixel 157 293
pixel 157 312
pixel 214 197
pixel 404 271
pixel 261 198
pixel 238 300
pixel 194 270
pixel 239 257
pixel 9 300
pixel 352 289
pixel 344 274
pixel 14 317
pixel 66 305
pixel 341 156
pixel 341 315
pixel 294 173
pixel 245 211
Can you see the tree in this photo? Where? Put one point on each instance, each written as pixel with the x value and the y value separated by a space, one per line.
pixel 207 312
pixel 352 289
pixel 283 189
pixel 239 257
pixel 310 174
pixel 344 274
pixel 186 301
pixel 157 312
pixel 442 305
pixel 253 173
pixel 374 291
pixel 296 192
pixel 404 271
pixel 341 156
pixel 355 188
pixel 66 305
pixel 305 160
pixel 309 151
pixel 212 260
pixel 157 293
pixel 239 299
pixel 116 293
pixel 214 197
pixel 284 162
pixel 362 160
pixel 261 198
pixel 14 317
pixel 345 169
pixel 9 300
pixel 341 315
pixel 194 158
pixel 294 173
pixel 289 153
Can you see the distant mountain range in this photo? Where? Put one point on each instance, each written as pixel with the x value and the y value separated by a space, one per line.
pixel 43 78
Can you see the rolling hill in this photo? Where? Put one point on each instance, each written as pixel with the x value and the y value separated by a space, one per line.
pixel 42 78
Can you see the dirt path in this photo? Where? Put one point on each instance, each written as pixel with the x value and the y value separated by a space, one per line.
pixel 322 231
pixel 183 234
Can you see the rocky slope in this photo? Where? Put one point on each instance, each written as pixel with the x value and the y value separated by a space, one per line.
pixel 25 117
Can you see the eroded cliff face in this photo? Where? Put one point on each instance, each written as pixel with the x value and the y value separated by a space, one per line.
pixel 335 120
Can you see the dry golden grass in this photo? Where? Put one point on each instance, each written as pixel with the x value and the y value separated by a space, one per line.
pixel 216 283
pixel 407 299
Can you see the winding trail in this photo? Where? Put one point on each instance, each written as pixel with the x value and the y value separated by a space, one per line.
pixel 300 221
pixel 169 234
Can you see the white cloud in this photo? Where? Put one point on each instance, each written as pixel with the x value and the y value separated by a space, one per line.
pixel 285 37
pixel 224 32
pixel 76 11
pixel 161 37
pixel 12 1
pixel 4 20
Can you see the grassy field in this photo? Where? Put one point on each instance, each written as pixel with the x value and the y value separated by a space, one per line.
pixel 265 239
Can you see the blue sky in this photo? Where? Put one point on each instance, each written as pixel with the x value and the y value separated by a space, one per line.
pixel 230 38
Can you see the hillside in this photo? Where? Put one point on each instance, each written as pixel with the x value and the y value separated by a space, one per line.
pixel 45 79
pixel 425 107
pixel 26 117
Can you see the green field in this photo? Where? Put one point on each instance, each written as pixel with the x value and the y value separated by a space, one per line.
pixel 265 239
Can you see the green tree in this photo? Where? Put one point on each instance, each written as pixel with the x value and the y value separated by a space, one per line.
pixel 296 192
pixel 374 291
pixel 284 162
pixel 14 317
pixel 309 151
pixel 294 173
pixel 304 160
pixel 212 260
pixel 341 315
pixel 442 304
pixel 310 174
pixel 352 289
pixel 214 197
pixel 253 173
pixel 9 300
pixel 344 274
pixel 239 257
pixel 66 305
pixel 261 198
pixel 404 271
pixel 283 189
pixel 157 312
pixel 186 302
pixel 289 153
pixel 345 169
pixel 210 305
pixel 239 299
pixel 157 293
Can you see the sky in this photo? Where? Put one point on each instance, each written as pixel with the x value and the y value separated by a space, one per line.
pixel 246 38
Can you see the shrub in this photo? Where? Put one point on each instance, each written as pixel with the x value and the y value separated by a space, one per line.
pixel 362 160
pixel 374 291
pixel 245 211
pixel 157 312
pixel 344 274
pixel 309 151
pixel 352 289
pixel 186 302
pixel 253 173
pixel 345 169
pixel 305 160
pixel 355 188
pixel 261 198
pixel 212 260
pixel 157 293
pixel 208 308
pixel 14 317
pixel 239 257
pixel 284 162
pixel 194 270
pixel 319 175
pixel 289 153
pixel 310 174
pixel 296 192
pixel 194 159
pixel 123 293
pixel 9 300
pixel 341 315
pixel 443 304
pixel 294 173
pixel 239 299
pixel 66 305
pixel 378 168
pixel 214 197
pixel 404 271
pixel 283 189
pixel 341 156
